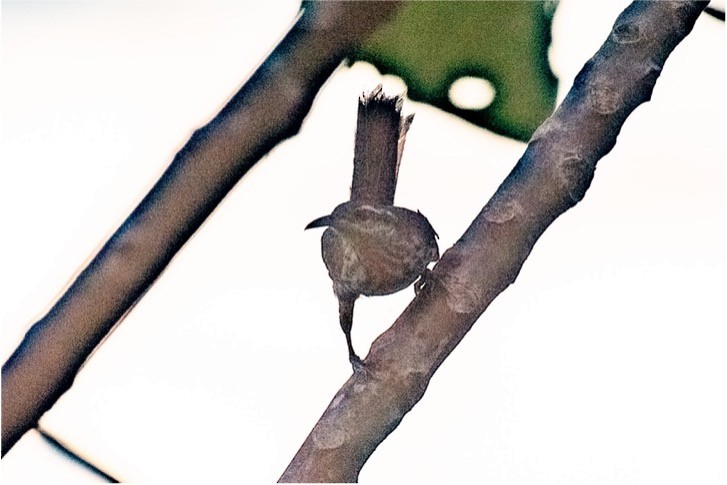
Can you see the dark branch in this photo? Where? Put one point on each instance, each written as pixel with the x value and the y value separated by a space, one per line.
pixel 715 12
pixel 552 176
pixel 75 457
pixel 269 108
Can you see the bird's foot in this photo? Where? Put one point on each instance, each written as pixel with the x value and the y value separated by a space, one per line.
pixel 357 364
pixel 424 278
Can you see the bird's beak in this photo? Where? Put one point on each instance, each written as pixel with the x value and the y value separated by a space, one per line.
pixel 320 222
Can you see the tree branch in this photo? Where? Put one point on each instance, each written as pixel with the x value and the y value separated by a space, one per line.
pixel 551 177
pixel 76 458
pixel 715 12
pixel 268 108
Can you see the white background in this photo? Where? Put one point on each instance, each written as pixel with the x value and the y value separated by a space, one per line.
pixel 605 360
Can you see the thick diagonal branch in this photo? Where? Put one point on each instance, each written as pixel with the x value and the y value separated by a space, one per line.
pixel 552 176
pixel 269 108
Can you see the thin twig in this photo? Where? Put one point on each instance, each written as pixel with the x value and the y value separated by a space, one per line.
pixel 75 457
pixel 715 12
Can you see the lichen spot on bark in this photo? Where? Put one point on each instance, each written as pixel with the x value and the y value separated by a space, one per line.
pixel 603 98
pixel 575 174
pixel 501 211
pixel 328 435
pixel 337 400
pixel 461 298
pixel 551 124
pixel 453 275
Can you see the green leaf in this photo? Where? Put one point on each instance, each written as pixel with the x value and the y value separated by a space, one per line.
pixel 432 44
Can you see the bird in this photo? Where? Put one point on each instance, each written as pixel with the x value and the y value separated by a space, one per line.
pixel 370 246
pixel 374 249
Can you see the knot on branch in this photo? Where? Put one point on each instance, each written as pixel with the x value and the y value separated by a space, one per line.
pixel 463 295
pixel 328 435
pixel 575 174
pixel 501 211
pixel 550 125
pixel 603 98
pixel 628 32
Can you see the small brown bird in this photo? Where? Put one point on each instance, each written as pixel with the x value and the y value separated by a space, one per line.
pixel 372 247
pixel 373 250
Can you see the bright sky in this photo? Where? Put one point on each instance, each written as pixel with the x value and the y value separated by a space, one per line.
pixel 604 361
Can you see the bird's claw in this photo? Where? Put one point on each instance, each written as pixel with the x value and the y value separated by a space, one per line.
pixel 422 281
pixel 357 364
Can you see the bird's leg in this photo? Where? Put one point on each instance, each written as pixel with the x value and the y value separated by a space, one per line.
pixel 345 313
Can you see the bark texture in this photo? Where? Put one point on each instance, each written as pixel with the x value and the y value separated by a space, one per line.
pixel 552 176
